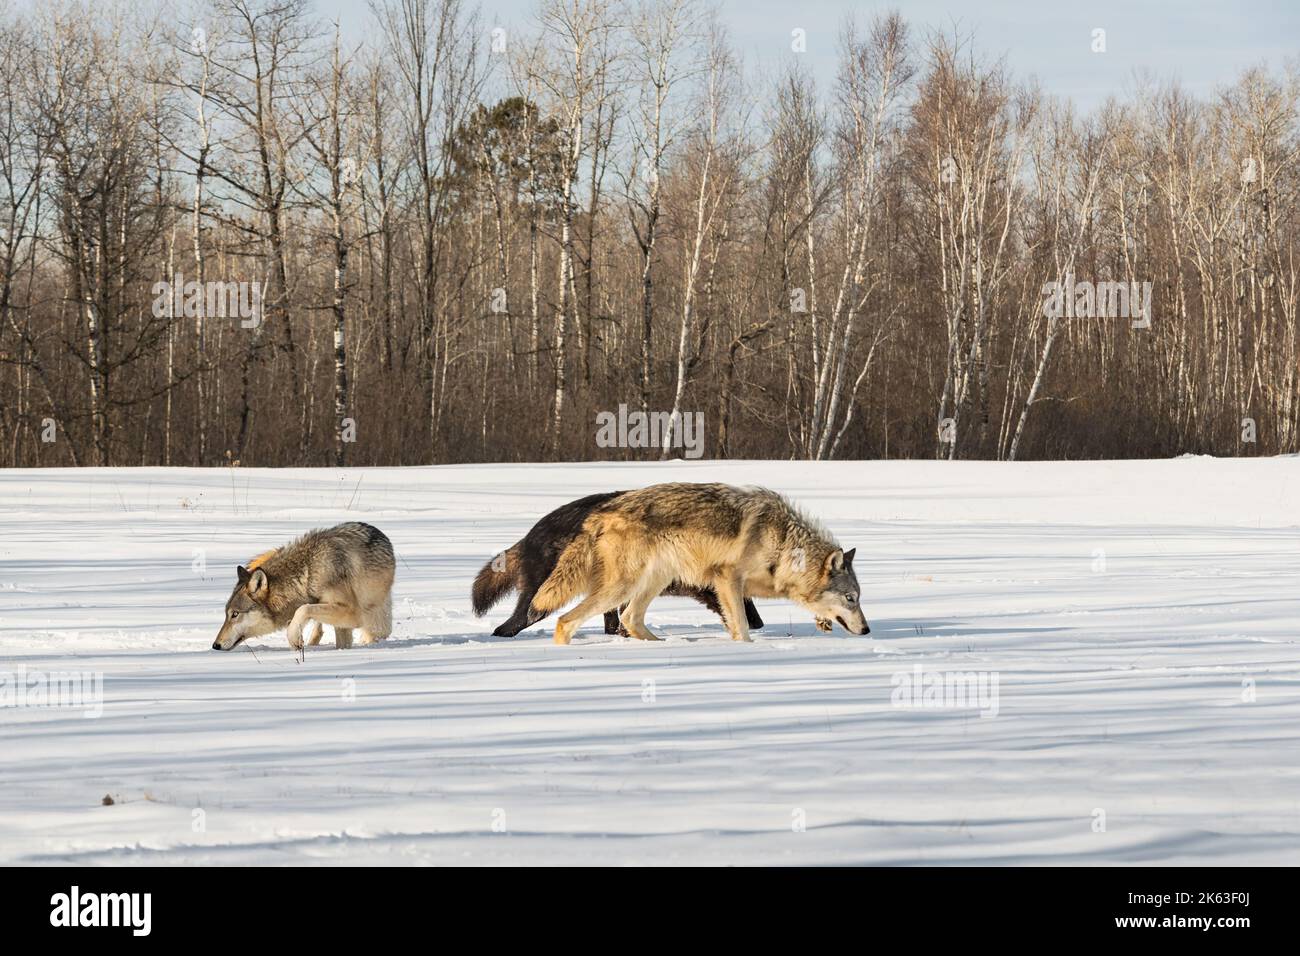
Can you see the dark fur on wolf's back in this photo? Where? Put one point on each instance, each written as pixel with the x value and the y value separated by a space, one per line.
pixel 529 562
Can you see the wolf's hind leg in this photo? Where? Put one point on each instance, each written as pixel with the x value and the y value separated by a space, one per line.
pixel 570 621
pixel 377 621
pixel 633 620
pixel 633 616
pixel 709 598
pixel 523 616
pixel 342 638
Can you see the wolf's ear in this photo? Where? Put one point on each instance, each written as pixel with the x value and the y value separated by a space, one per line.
pixel 242 573
pixel 848 556
pixel 257 583
pixel 834 561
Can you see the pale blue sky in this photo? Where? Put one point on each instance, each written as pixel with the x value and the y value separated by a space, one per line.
pixel 1203 44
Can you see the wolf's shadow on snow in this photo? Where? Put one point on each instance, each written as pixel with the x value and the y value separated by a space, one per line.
pixel 882 629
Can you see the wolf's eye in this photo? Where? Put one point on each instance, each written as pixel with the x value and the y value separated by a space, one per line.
pixel 852 598
pixel 234 614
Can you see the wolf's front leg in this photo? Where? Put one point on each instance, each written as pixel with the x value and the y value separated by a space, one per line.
pixel 731 595
pixel 312 633
pixel 335 615
pixel 294 631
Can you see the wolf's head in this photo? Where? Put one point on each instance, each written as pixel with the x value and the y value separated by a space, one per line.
pixel 246 611
pixel 838 598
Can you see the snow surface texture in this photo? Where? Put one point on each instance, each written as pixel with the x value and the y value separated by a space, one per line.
pixel 1139 618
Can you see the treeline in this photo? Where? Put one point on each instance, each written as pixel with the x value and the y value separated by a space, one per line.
pixel 230 233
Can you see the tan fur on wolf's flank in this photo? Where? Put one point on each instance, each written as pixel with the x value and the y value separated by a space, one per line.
pixel 743 542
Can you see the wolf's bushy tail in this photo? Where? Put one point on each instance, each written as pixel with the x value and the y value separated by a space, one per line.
pixel 570 577
pixel 498 578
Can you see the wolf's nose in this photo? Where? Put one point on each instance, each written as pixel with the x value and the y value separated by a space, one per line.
pixel 866 628
pixel 216 645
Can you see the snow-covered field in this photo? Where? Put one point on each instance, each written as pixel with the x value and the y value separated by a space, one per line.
pixel 1139 619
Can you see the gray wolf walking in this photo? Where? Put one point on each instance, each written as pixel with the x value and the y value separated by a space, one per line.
pixel 525 565
pixel 740 542
pixel 341 576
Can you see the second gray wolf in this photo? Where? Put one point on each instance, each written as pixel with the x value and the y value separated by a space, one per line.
pixel 739 542
pixel 526 565
pixel 341 576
